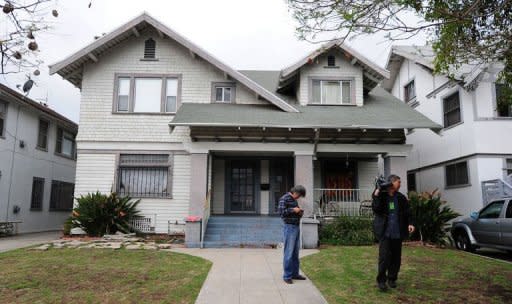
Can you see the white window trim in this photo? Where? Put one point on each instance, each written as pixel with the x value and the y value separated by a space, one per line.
pixel 223 85
pixel 350 80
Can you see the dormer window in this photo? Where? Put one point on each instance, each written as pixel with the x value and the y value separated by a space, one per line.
pixel 332 92
pixel 149 49
pixel 331 61
pixel 223 92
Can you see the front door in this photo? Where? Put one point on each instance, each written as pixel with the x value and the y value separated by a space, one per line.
pixel 241 186
pixel 281 181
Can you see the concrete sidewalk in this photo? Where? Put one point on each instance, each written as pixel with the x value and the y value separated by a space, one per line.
pixel 28 239
pixel 251 276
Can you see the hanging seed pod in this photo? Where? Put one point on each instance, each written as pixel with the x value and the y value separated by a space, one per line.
pixel 32 46
pixel 17 55
pixel 37 72
pixel 8 8
pixel 30 35
pixel 55 13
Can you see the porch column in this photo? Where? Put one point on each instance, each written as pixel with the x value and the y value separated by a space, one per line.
pixel 198 183
pixel 396 164
pixel 304 177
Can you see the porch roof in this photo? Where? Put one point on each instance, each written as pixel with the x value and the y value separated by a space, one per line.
pixel 381 110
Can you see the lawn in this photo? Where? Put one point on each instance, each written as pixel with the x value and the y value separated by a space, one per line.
pixel 428 275
pixel 100 276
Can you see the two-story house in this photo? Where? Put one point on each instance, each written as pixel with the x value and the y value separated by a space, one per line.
pixel 474 146
pixel 163 120
pixel 37 164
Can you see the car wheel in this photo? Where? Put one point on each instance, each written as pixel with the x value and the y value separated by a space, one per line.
pixel 462 242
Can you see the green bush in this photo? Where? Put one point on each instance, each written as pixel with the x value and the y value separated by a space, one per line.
pixel 431 216
pixel 68 224
pixel 347 230
pixel 99 214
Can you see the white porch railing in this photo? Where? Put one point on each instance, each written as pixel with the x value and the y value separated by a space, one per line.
pixel 206 216
pixel 336 202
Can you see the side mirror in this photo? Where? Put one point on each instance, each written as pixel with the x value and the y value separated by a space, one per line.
pixel 474 215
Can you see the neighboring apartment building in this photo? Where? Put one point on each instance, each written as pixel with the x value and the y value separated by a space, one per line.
pixel 474 145
pixel 165 121
pixel 37 163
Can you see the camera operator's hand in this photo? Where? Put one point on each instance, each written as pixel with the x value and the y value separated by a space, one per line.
pixel 297 210
pixel 376 192
pixel 411 228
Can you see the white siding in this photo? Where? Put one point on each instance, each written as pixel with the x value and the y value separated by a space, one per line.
pixel 318 69
pixel 218 186
pixel 95 172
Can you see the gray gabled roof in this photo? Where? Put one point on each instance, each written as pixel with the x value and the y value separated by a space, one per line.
pixel 70 68
pixel 381 111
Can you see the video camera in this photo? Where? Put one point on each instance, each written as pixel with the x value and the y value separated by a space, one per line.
pixel 382 183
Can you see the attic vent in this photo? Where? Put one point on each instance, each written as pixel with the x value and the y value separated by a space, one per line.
pixel 331 60
pixel 149 48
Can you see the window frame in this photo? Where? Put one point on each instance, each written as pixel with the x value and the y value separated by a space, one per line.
pixel 41 119
pixel 506 167
pixel 333 57
pixel 131 96
pixel 352 80
pixel 443 99
pixel 3 116
pixel 216 85
pixel 40 208
pixel 58 146
pixel 169 165
pixel 458 185
pixel 407 98
pixel 58 182
pixel 495 96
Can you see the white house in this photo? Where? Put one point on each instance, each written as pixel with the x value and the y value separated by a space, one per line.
pixel 163 120
pixel 475 143
pixel 37 164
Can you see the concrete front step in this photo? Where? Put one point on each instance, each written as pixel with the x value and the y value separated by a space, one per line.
pixel 238 244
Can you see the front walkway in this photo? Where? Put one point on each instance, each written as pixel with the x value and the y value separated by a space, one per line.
pixel 251 276
pixel 28 239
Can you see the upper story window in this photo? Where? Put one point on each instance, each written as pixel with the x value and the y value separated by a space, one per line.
pixel 331 60
pixel 409 91
pixel 3 115
pixel 223 92
pixel 42 136
pixel 457 174
pixel 332 92
pixel 147 94
pixel 451 110
pixel 503 108
pixel 149 49
pixel 65 143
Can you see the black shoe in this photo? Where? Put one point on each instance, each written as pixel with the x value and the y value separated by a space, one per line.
pixel 288 281
pixel 392 284
pixel 382 286
pixel 299 277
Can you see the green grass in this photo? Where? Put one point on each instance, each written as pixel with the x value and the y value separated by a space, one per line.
pixel 100 276
pixel 428 275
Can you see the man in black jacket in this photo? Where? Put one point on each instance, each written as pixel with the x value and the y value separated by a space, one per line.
pixel 392 225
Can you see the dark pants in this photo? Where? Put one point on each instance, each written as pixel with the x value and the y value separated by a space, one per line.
pixel 291 262
pixel 390 258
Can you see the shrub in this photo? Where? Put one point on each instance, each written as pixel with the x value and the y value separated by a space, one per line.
pixel 347 230
pixel 430 215
pixel 68 224
pixel 99 214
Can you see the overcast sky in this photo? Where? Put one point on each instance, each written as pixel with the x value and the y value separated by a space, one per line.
pixel 246 34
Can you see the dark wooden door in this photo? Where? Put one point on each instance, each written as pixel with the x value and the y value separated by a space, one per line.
pixel 241 186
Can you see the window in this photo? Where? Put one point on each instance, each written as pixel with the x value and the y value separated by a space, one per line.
pixel 411 182
pixel 61 197
pixel 223 92
pixel 149 49
pixel 37 194
pixel 457 174
pixel 508 169
pixel 332 92
pixel 65 143
pixel 409 91
pixel 503 108
pixel 3 114
pixel 493 210
pixel 508 213
pixel 42 137
pixel 146 94
pixel 331 60
pixel 144 175
pixel 451 108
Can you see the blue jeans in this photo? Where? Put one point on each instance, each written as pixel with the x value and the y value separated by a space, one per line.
pixel 291 251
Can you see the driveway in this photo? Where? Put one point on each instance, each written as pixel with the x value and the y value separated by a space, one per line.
pixel 251 276
pixel 28 239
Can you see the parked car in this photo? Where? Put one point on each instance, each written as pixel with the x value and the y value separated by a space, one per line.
pixel 491 227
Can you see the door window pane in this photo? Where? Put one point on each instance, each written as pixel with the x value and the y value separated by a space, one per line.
pixel 123 94
pixel 147 95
